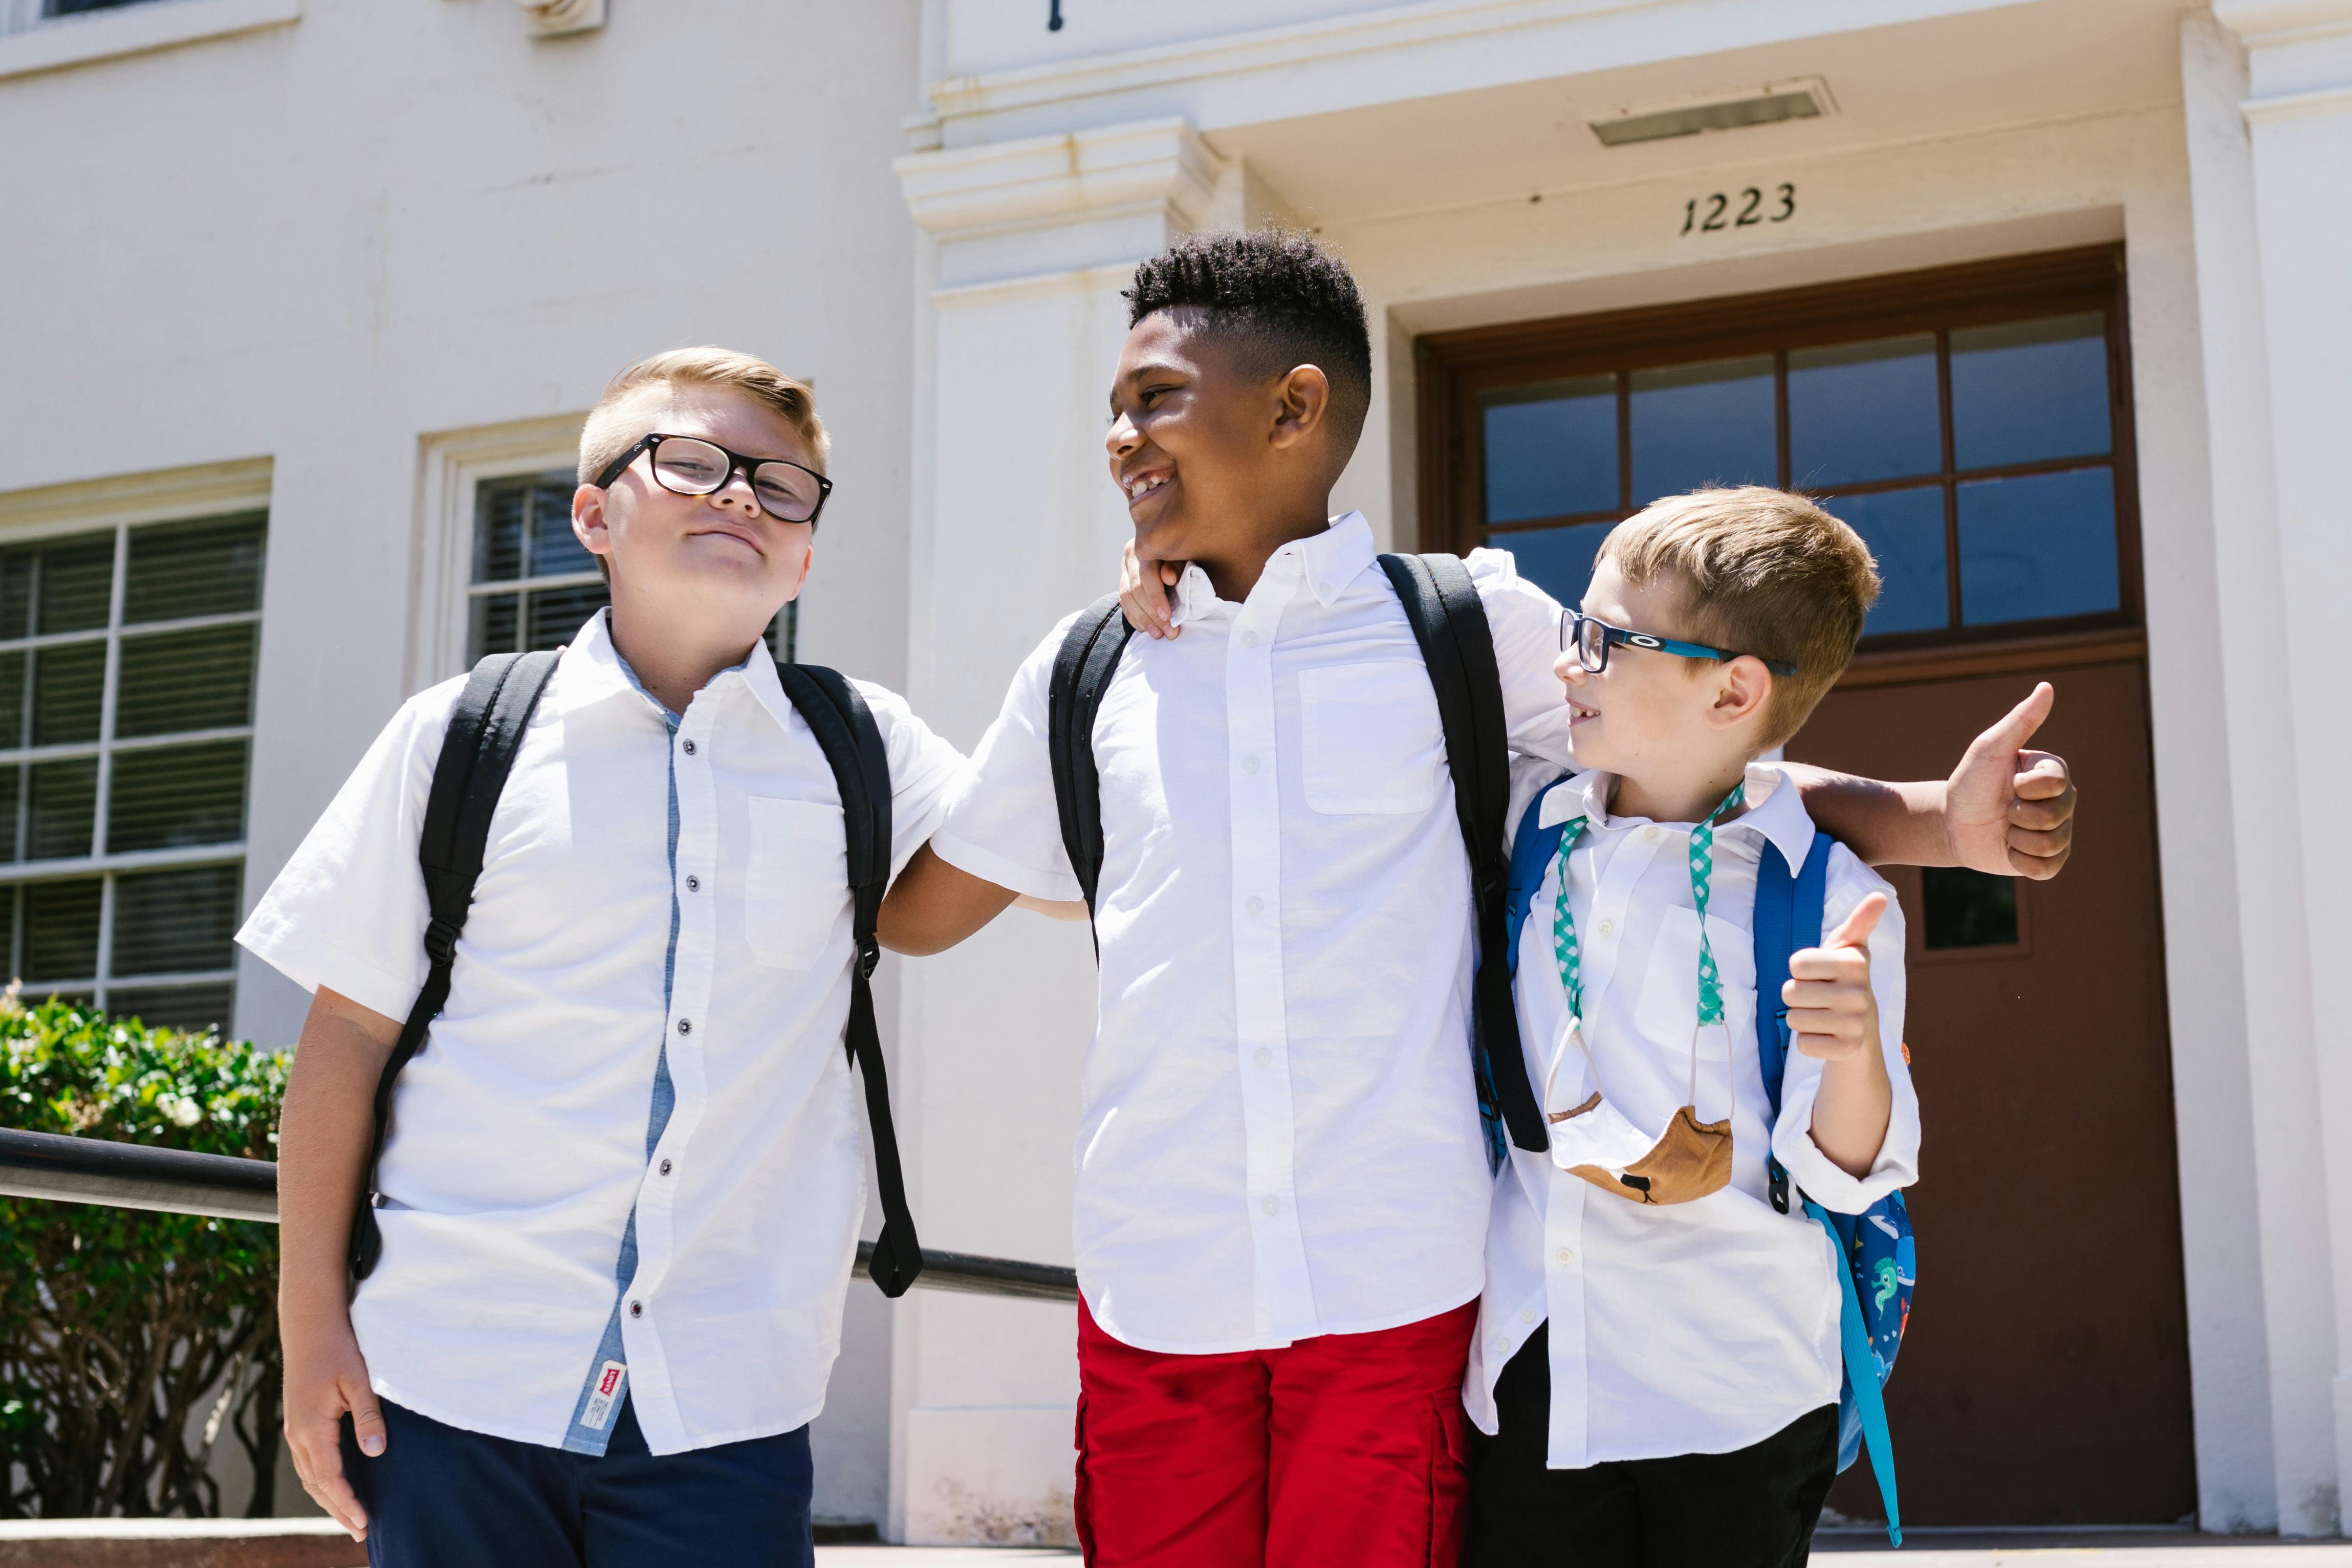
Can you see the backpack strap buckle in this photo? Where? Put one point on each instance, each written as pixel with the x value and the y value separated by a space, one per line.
pixel 441 942
pixel 869 954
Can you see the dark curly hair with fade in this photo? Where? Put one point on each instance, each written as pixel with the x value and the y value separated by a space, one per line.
pixel 1281 300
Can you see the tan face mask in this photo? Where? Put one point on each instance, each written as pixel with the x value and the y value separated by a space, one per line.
pixel 1690 1158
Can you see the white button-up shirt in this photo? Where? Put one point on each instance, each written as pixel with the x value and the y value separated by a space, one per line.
pixel 518 1133
pixel 1279 1134
pixel 1696 1328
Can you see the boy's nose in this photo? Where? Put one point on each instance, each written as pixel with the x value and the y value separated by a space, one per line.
pixel 1121 437
pixel 1569 669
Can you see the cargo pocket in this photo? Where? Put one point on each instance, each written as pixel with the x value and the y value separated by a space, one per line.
pixel 1449 1482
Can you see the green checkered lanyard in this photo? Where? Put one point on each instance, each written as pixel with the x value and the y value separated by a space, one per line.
pixel 1702 872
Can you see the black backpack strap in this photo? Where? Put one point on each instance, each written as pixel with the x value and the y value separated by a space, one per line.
pixel 485 732
pixel 1082 671
pixel 1449 622
pixel 853 747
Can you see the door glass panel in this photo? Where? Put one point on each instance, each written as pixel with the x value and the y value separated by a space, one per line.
pixel 2039 546
pixel 2029 391
pixel 1859 412
pixel 1551 451
pixel 1557 559
pixel 64 801
pixel 1905 531
pixel 166 796
pixel 1704 424
pixel 1969 908
pixel 61 930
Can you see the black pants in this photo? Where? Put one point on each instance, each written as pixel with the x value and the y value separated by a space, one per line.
pixel 1753 1508
pixel 441 1498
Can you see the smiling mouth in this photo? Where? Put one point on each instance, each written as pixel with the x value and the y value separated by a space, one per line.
pixel 1144 484
pixel 1578 713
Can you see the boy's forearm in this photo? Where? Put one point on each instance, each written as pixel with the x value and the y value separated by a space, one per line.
pixel 1851 1112
pixel 323 1146
pixel 1884 824
pixel 933 906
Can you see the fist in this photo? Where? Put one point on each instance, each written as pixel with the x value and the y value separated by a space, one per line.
pixel 1831 1011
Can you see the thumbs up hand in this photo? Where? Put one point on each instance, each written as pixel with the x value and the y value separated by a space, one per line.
pixel 1833 1012
pixel 2007 809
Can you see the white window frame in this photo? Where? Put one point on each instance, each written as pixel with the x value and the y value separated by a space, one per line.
pixel 174 495
pixel 456 463
pixel 31 42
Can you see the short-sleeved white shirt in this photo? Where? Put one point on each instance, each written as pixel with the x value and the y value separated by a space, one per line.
pixel 1279 1132
pixel 517 1143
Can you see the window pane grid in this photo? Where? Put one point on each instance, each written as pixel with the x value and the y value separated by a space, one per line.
pixel 126 709
pixel 1885 418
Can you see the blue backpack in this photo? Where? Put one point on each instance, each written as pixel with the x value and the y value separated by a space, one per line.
pixel 1881 1267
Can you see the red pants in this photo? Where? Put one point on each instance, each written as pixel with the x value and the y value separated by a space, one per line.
pixel 1344 1450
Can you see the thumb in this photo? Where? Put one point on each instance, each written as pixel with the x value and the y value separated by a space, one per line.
pixel 367 1417
pixel 2011 733
pixel 1857 927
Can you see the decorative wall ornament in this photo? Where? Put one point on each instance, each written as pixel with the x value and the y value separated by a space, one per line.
pixel 553 16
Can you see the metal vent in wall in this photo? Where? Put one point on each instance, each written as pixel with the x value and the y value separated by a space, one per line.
pixel 1807 98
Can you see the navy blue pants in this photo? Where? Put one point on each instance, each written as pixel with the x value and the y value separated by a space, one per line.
pixel 442 1498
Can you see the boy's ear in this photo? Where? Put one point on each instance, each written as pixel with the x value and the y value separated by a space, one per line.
pixel 1302 397
pixel 588 524
pixel 1742 687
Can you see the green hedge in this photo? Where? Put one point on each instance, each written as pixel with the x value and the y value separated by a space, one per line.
pixel 121 1330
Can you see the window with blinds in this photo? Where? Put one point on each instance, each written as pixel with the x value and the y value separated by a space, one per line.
pixel 532 584
pixel 126 725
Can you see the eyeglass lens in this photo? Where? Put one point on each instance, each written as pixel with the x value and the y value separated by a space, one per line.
pixel 1587 637
pixel 694 468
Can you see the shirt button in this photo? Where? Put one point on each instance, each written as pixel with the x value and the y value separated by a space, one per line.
pixel 689 748
pixel 1249 764
pixel 685 1025
pixel 1249 640
pixel 1650 834
pixel 1608 928
pixel 1503 1344
pixel 1271 1206
pixel 1566 1255
pixel 1254 904
pixel 637 1308
pixel 693 884
pixel 1263 1057
pixel 664 1167
pixel 1527 1314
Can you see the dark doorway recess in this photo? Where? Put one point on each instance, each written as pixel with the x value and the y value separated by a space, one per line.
pixel 1974 424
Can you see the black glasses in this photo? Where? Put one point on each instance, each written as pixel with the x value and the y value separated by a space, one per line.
pixel 1592 639
pixel 690 466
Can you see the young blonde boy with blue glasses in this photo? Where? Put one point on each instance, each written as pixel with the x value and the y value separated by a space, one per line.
pixel 1656 1375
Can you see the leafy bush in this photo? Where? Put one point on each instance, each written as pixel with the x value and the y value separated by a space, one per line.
pixel 121 1330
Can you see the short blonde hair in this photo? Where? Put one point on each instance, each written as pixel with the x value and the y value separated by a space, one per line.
pixel 1760 572
pixel 608 435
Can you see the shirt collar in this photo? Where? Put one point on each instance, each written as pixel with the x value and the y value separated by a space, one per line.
pixel 593 671
pixel 1329 561
pixel 1775 810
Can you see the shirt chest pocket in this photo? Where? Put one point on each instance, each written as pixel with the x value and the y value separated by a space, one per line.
pixel 1370 738
pixel 1669 1002
pixel 799 882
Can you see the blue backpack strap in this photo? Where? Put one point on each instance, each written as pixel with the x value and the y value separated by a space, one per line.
pixel 1862 1379
pixel 1532 848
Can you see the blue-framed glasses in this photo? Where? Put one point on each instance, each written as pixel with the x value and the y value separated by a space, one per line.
pixel 1591 640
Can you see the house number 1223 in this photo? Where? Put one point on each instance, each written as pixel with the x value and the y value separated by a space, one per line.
pixel 1704 215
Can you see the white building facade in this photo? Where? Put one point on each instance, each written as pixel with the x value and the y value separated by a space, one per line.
pixel 305 295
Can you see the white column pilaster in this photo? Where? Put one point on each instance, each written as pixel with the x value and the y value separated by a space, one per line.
pixel 2272 238
pixel 1028 245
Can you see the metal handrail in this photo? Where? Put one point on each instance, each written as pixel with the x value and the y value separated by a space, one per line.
pixel 176 1181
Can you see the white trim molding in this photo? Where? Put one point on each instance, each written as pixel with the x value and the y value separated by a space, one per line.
pixel 206 489
pixel 1156 167
pixel 58 42
pixel 2258 23
pixel 453 463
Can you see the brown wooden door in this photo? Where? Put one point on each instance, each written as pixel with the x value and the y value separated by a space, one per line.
pixel 2044 1377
